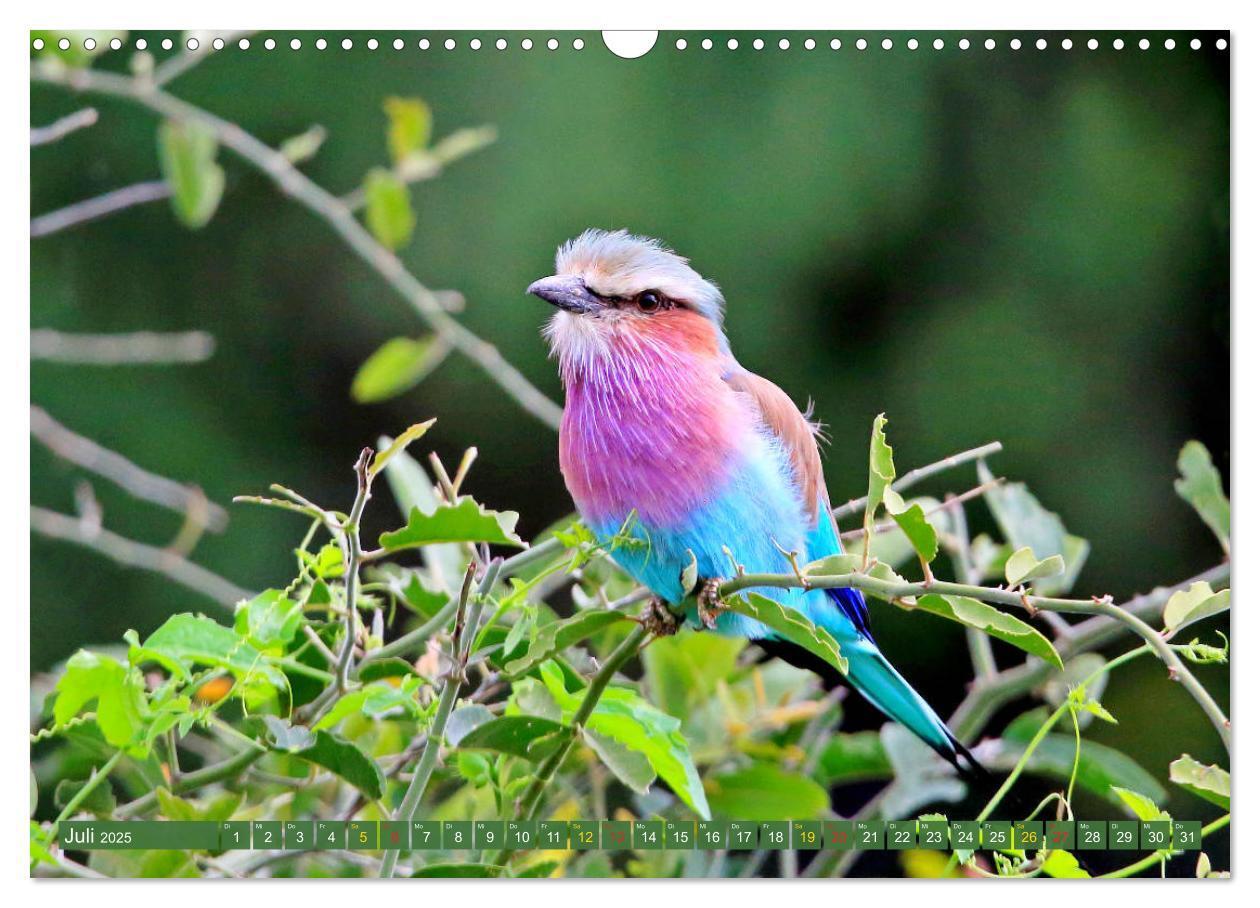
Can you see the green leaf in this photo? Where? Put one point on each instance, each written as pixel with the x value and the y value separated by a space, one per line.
pixel 1141 806
pixel 684 671
pixel 1193 604
pixel 510 734
pixel 557 636
pixel 791 625
pixel 100 800
pixel 305 145
pixel 410 126
pixel 1063 865
pixel 459 871
pixel 852 757
pixel 881 472
pixel 1023 566
pixel 1208 782
pixel 465 720
pixel 838 565
pixel 631 767
pixel 1200 485
pixel 117 689
pixel 269 621
pixel 413 488
pixel 389 215
pixel 186 155
pixel 913 522
pixel 375 700
pixel 346 760
pixel 398 445
pixel 995 623
pixel 398 365
pixel 1024 522
pixel 765 792
pixel 631 721
pixel 185 640
pixel 464 521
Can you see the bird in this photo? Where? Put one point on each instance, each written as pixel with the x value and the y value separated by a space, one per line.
pixel 667 442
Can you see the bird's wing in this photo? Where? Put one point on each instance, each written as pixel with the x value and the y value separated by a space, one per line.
pixel 799 438
pixel 795 433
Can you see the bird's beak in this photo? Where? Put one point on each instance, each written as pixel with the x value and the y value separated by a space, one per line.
pixel 565 291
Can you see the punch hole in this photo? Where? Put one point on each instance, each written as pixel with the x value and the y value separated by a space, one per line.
pixel 217 43
pixel 706 44
pixel 116 43
pixel 167 44
pixel 1221 44
pixel 810 44
pixel 321 44
pixel 38 44
pixel 964 44
pixel 681 44
pixel 629 45
pixel 89 44
pixel 758 44
pixel 141 44
pixel 938 44
pixel 835 44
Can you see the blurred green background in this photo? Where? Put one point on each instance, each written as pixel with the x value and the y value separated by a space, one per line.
pixel 1027 246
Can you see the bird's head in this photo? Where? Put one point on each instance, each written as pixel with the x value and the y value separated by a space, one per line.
pixel 613 286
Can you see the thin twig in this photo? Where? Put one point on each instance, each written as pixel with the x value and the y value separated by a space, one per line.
pixel 138 348
pixel 59 129
pixel 429 164
pixel 330 209
pixel 130 553
pixel 99 206
pixel 137 481
pixel 857 505
pixel 464 630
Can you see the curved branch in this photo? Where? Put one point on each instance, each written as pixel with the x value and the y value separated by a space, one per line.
pixel 330 209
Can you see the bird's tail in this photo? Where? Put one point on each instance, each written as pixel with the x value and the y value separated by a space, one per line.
pixel 873 676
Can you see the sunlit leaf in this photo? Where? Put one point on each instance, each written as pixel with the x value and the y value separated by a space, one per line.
pixel 995 623
pixel 1063 865
pixel 1025 523
pixel 389 214
pixel 510 734
pixel 631 768
pixel 913 522
pixel 186 154
pixel 410 126
pixel 118 691
pixel 881 471
pixel 396 366
pixel 410 434
pixel 1023 566
pixel 1194 604
pixel 269 620
pixel 766 792
pixel 559 635
pixel 1200 485
pixel 633 722
pixel 1208 782
pixel 464 521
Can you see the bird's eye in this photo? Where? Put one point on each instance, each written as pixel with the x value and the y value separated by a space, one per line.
pixel 649 301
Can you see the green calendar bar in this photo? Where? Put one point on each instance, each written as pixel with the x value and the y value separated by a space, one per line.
pixel 638 835
pixel 143 835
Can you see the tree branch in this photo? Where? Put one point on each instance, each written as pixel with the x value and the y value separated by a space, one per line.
pixel 130 553
pixel 59 129
pixel 98 207
pixel 144 348
pixel 189 501
pixel 330 209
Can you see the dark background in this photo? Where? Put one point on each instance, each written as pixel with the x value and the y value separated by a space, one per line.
pixel 1027 246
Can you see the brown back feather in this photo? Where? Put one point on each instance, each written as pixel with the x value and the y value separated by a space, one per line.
pixel 795 432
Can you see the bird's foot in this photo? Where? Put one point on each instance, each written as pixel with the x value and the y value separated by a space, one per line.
pixel 708 603
pixel 658 620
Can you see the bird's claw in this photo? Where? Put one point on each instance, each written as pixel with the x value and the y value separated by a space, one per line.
pixel 708 603
pixel 658 620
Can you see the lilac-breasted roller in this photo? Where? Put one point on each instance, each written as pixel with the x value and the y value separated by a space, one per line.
pixel 663 423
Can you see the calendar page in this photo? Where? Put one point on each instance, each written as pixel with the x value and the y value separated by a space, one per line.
pixel 709 454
